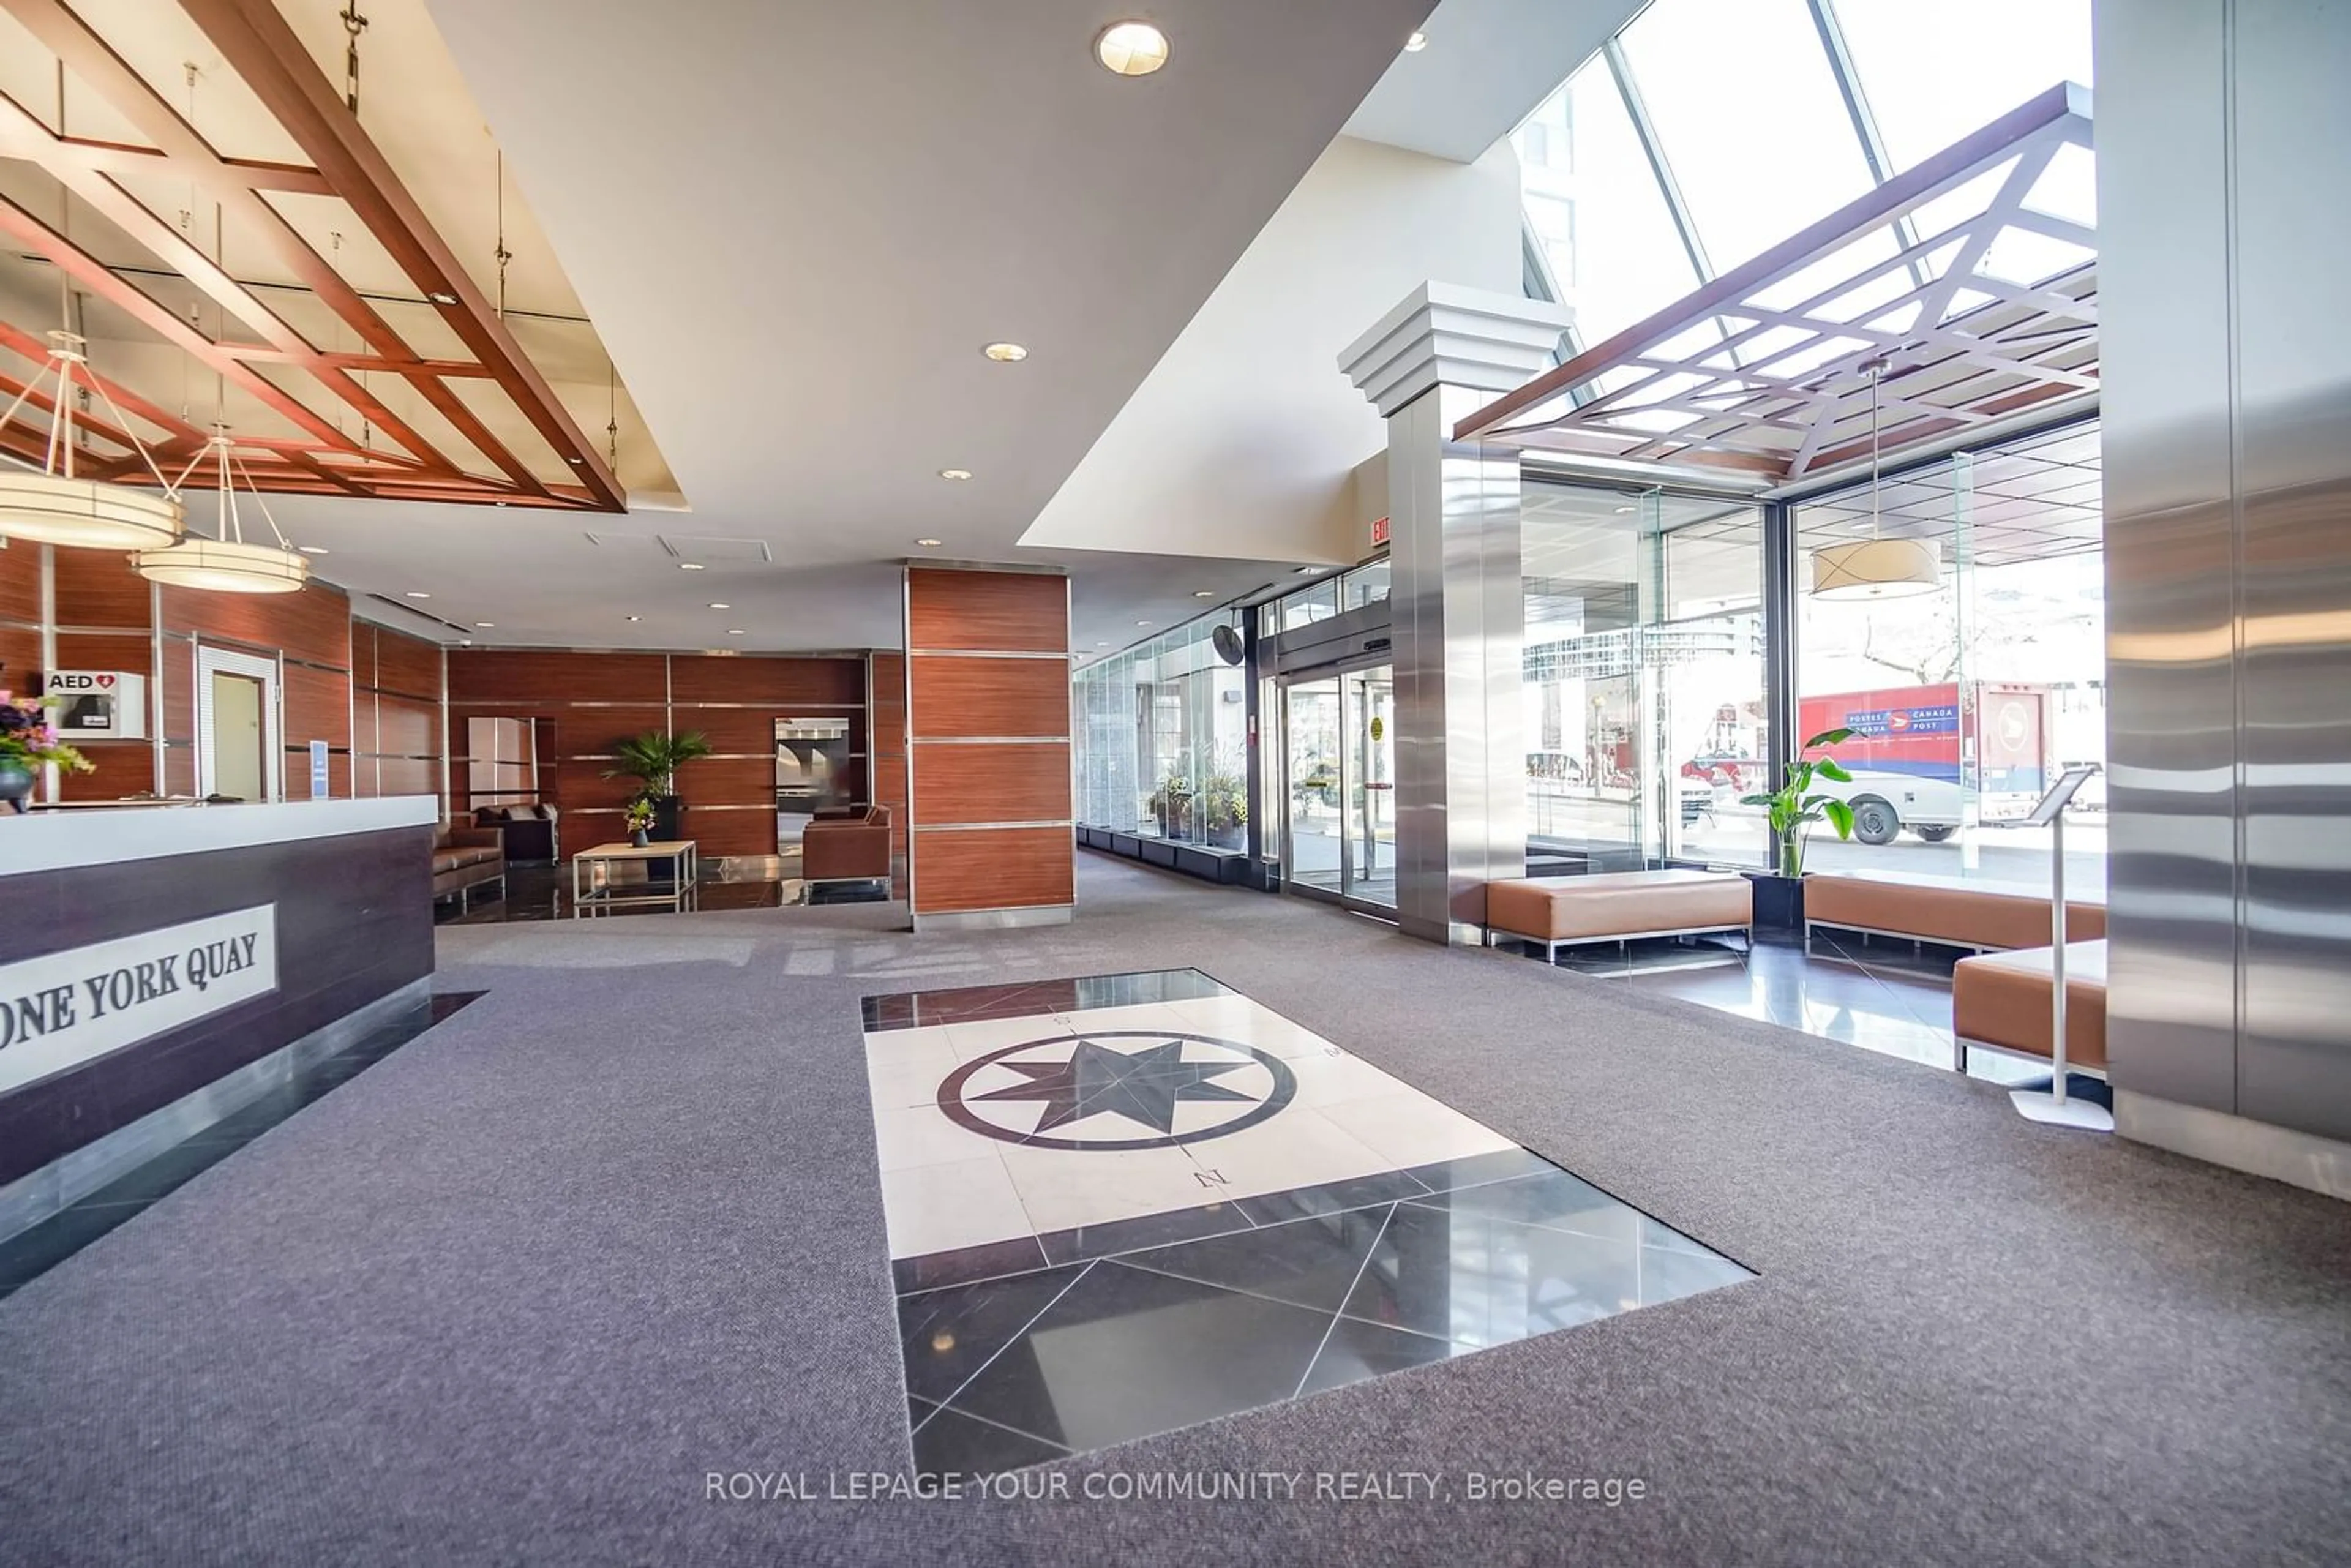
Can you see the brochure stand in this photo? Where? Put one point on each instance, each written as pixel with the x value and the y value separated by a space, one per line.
pixel 2052 1105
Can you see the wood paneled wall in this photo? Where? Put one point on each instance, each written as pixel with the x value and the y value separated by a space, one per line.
pixel 886 679
pixel 105 616
pixel 594 700
pixel 397 745
pixel 989 741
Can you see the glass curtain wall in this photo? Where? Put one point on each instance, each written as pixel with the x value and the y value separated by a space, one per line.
pixel 1707 131
pixel 1645 713
pixel 1162 740
pixel 1966 702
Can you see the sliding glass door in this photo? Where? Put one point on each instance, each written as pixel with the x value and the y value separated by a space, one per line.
pixel 1339 764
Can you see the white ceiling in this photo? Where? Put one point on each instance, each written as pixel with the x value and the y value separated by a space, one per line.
pixel 795 227
pixel 1487 66
pixel 1242 441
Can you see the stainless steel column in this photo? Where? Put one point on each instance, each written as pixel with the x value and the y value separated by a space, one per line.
pixel 2224 196
pixel 1456 598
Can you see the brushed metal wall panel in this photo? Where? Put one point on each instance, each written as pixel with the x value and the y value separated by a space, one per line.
pixel 2164 323
pixel 2292 172
pixel 1456 621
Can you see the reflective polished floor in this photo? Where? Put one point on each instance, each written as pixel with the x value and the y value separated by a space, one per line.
pixel 768 882
pixel 1882 994
pixel 1118 1204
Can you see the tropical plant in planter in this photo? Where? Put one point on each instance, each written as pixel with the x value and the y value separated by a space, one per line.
pixel 653 758
pixel 1171 804
pixel 28 741
pixel 1792 810
pixel 1224 808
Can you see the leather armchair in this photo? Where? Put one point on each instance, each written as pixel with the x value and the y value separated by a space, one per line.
pixel 855 848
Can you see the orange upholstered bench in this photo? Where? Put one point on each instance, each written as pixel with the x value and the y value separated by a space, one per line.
pixel 1960 911
pixel 2002 1001
pixel 1616 907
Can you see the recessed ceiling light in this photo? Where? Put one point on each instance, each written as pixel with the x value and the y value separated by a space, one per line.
pixel 1622 510
pixel 575 461
pixel 1311 570
pixel 1143 623
pixel 1416 43
pixel 418 593
pixel 438 298
pixel 716 604
pixel 955 473
pixel 636 617
pixel 1005 353
pixel 734 630
pixel 1204 593
pixel 484 622
pixel 1132 49
pixel 314 549
pixel 928 544
pixel 689 566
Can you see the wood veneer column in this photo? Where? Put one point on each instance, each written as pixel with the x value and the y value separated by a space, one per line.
pixel 987 725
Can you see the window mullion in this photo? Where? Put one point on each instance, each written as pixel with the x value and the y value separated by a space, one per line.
pixel 1864 121
pixel 1621 71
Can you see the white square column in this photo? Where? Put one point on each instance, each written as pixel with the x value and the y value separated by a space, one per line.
pixel 1456 601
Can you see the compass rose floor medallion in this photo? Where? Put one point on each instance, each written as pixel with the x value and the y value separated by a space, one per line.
pixel 1122 1204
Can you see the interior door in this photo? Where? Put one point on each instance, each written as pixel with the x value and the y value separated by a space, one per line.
pixel 240 765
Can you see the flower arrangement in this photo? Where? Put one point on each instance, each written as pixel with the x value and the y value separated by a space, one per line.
pixel 27 741
pixel 638 815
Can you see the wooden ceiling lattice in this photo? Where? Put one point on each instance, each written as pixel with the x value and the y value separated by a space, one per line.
pixel 1989 310
pixel 442 443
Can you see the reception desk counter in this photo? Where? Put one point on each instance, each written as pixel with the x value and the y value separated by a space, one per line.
pixel 160 968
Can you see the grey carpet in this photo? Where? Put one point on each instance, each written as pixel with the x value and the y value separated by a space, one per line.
pixel 507 1296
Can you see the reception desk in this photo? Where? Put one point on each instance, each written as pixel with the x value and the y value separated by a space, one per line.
pixel 162 967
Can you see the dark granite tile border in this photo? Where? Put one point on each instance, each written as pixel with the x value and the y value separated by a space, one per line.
pixel 1034 999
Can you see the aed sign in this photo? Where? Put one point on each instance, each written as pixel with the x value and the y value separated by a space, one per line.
pixel 62 1009
pixel 98 705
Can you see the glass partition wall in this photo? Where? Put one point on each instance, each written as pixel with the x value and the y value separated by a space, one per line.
pixel 1967 700
pixel 1644 715
pixel 1162 740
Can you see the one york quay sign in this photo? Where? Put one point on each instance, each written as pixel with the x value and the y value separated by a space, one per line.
pixel 61 1009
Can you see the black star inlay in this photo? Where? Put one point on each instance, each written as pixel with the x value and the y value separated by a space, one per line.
pixel 1143 1086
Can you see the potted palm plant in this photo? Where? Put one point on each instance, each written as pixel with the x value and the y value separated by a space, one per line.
pixel 1792 810
pixel 654 759
pixel 28 741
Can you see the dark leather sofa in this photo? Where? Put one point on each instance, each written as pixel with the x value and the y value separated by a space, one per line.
pixel 464 858
pixel 528 831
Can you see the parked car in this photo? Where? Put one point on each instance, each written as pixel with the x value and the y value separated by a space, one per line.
pixel 1883 804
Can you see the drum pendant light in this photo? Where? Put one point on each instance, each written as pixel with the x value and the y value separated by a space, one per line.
pixel 226 563
pixel 1876 567
pixel 54 506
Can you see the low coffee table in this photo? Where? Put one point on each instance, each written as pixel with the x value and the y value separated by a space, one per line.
pixel 600 893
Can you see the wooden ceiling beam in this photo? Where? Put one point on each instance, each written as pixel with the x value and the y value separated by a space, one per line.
pixel 272 60
pixel 24 135
pixel 98 279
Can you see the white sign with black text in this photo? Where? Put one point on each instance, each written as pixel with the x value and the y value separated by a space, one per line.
pixel 61 1009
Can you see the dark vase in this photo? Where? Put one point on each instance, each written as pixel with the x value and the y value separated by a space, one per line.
pixel 641 838
pixel 1779 903
pixel 15 783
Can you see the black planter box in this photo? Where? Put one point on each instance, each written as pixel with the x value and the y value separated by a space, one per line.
pixel 1778 902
